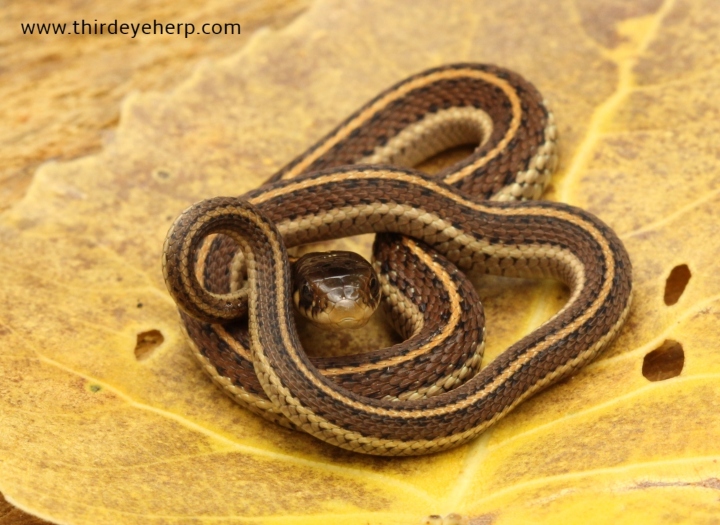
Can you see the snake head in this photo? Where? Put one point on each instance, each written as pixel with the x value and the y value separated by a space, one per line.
pixel 335 290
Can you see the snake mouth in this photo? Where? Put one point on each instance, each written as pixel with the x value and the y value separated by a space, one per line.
pixel 340 316
pixel 351 323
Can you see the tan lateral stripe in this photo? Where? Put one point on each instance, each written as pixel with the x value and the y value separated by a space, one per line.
pixel 232 342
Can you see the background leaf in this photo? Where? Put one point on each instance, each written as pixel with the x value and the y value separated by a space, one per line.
pixel 106 418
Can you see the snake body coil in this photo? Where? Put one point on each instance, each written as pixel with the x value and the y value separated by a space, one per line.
pixel 417 118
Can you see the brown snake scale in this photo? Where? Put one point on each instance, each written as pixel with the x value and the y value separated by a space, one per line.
pixel 426 394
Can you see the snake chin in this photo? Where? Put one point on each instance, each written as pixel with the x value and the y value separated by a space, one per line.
pixel 347 315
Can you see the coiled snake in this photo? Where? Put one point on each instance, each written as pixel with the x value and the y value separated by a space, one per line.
pixel 331 192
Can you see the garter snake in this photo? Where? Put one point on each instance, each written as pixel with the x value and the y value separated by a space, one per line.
pixel 320 200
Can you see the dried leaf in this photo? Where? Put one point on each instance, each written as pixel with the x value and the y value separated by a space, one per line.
pixel 106 418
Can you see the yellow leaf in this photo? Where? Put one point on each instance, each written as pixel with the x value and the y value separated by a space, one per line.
pixel 106 418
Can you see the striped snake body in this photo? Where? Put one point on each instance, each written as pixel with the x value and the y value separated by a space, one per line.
pixel 421 116
pixel 442 323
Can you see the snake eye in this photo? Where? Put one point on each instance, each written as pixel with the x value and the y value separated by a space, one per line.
pixel 306 295
pixel 373 283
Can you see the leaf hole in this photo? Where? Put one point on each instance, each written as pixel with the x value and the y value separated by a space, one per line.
pixel 676 283
pixel 147 342
pixel 664 362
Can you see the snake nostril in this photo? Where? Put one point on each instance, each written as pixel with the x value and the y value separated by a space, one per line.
pixel 147 342
pixel 664 362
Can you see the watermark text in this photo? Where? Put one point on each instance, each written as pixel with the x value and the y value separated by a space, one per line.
pixel 133 30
